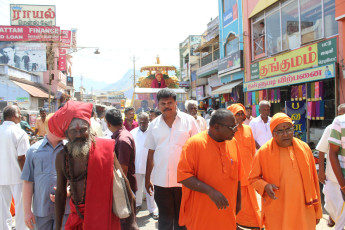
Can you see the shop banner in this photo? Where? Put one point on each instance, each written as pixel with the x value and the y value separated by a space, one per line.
pixel 65 39
pixel 29 33
pixel 314 74
pixel 69 81
pixel 228 63
pixel 62 59
pixel 74 39
pixel 199 92
pixel 297 111
pixel 230 15
pixel 306 57
pixel 24 55
pixel 32 15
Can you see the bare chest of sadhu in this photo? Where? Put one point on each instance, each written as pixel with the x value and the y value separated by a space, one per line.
pixel 75 171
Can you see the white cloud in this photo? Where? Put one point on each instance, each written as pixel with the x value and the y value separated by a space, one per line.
pixel 122 29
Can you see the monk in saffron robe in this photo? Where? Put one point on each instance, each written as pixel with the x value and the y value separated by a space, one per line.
pixel 88 164
pixel 250 215
pixel 284 174
pixel 209 170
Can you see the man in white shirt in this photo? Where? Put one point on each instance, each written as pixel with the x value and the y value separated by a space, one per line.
pixel 14 143
pixel 95 125
pixel 192 109
pixel 331 185
pixel 261 125
pixel 139 134
pixel 165 138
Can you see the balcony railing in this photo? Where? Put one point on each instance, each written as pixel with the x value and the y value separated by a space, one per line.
pixel 208 59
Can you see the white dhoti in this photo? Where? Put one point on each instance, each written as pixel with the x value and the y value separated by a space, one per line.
pixel 334 203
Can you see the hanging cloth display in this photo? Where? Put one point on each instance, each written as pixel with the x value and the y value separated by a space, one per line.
pixel 272 96
pixel 317 90
pixel 253 110
pixel 304 91
pixel 308 91
pixel 313 110
pixel 249 98
pixel 312 89
pixel 264 94
pixel 317 110
pixel 321 90
pixel 257 110
pixel 309 110
pixel 300 94
pixel 293 92
pixel 278 95
pixel 322 110
pixel 253 98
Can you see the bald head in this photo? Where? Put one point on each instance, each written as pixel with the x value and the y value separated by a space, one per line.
pixel 341 109
pixel 11 113
pixel 219 115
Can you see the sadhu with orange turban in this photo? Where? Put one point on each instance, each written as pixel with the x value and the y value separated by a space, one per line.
pixel 249 216
pixel 284 174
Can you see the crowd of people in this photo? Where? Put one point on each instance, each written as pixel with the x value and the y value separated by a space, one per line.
pixel 196 173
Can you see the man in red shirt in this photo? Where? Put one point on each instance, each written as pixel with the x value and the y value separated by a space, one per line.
pixel 129 121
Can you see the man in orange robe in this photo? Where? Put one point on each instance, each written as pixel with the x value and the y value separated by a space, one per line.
pixel 209 170
pixel 284 174
pixel 249 216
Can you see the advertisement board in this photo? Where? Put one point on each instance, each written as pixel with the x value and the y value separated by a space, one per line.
pixel 62 59
pixel 306 57
pixel 26 56
pixel 69 81
pixel 32 15
pixel 65 39
pixel 29 33
pixel 199 92
pixel 228 63
pixel 231 14
pixel 313 74
pixel 297 111
pixel 195 41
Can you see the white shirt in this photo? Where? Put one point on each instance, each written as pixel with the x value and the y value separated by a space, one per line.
pixel 140 150
pixel 261 130
pixel 96 127
pixel 14 142
pixel 323 146
pixel 201 122
pixel 104 125
pixel 167 144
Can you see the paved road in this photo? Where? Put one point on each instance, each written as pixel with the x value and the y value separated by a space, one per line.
pixel 145 222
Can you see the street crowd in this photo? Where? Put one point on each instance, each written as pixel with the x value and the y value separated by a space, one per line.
pixel 196 173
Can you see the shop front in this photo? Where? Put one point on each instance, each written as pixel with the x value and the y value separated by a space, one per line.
pixel 300 83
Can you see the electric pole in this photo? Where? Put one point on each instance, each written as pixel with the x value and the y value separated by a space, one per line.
pixel 134 59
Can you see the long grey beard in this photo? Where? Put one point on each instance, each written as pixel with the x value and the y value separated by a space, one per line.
pixel 79 149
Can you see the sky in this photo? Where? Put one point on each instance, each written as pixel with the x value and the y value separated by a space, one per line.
pixel 123 29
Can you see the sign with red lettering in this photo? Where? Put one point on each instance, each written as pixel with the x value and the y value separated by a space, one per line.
pixel 32 15
pixel 65 39
pixel 62 59
pixel 29 33
pixel 313 74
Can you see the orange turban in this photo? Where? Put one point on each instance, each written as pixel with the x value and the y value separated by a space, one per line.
pixel 60 121
pixel 235 108
pixel 279 118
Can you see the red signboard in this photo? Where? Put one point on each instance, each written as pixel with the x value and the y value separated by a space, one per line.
pixel 29 33
pixel 65 39
pixel 62 59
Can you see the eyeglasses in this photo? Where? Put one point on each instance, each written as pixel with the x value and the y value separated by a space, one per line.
pixel 287 131
pixel 233 128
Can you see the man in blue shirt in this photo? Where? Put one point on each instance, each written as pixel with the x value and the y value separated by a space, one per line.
pixel 39 177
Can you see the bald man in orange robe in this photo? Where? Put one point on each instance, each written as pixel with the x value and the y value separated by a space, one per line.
pixel 250 215
pixel 209 170
pixel 284 174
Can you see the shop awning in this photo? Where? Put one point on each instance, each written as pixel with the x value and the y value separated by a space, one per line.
pixel 32 90
pixel 261 5
pixel 227 88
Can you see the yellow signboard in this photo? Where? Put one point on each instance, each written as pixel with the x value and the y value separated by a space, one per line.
pixel 302 58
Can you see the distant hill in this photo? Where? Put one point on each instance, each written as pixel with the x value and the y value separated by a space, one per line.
pixel 124 84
